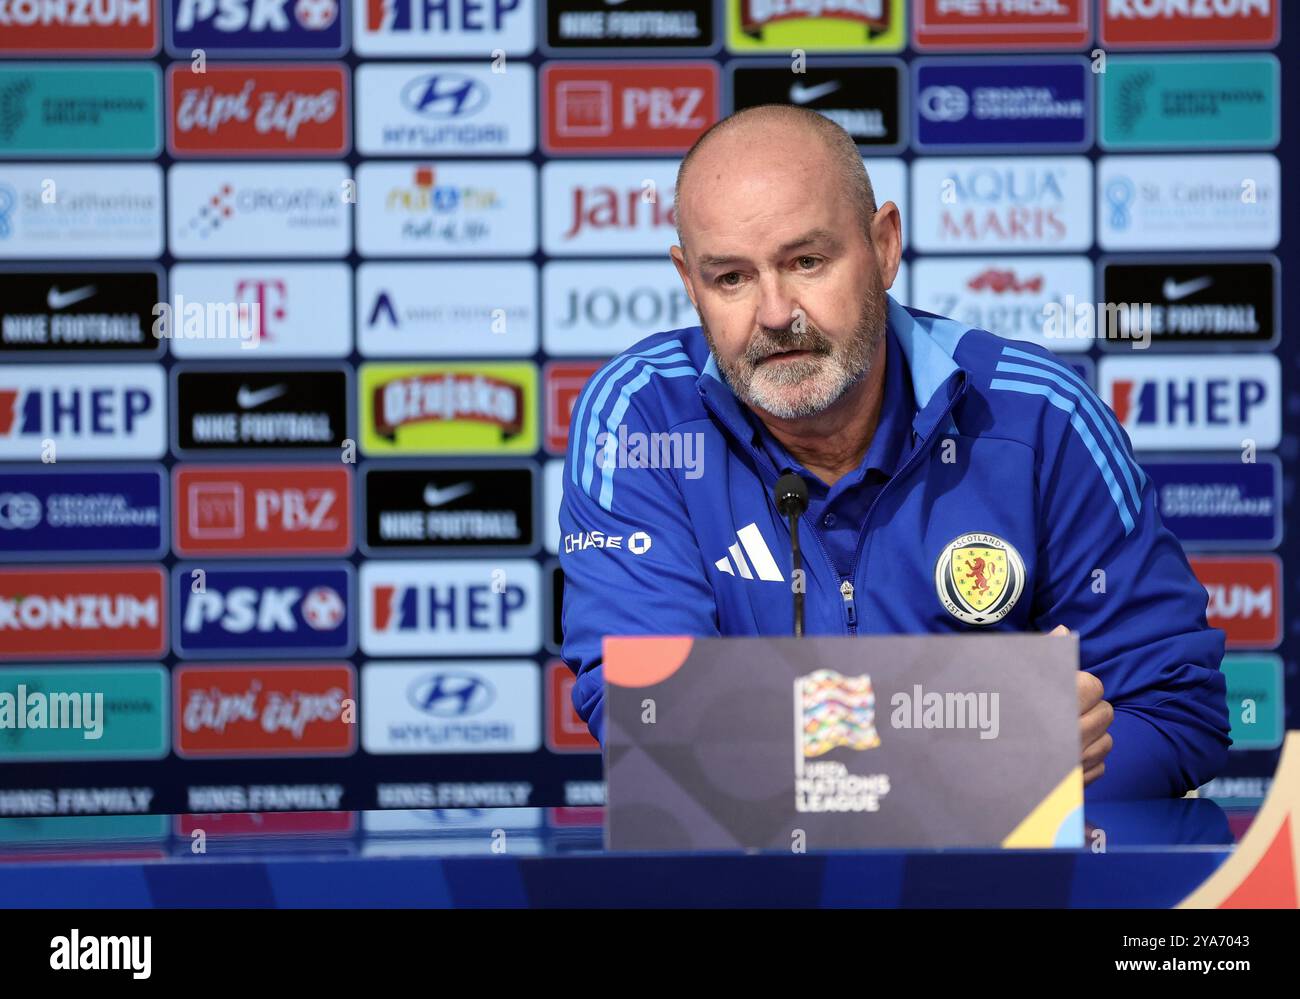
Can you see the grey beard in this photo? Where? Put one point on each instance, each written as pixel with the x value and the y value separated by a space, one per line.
pixel 829 373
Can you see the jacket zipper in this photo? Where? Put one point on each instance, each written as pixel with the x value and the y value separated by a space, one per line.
pixel 923 447
pixel 848 592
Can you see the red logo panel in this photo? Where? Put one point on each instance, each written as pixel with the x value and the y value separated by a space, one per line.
pixel 249 109
pixel 562 384
pixel 228 711
pixel 632 107
pixel 943 24
pixel 565 731
pixel 1245 597
pixel 263 509
pixel 264 823
pixel 1178 24
pixel 86 27
pixel 105 612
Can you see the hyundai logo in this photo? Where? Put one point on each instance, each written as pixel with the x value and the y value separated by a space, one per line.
pixel 450 695
pixel 444 95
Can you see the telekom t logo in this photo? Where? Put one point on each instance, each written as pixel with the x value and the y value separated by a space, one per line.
pixel 265 300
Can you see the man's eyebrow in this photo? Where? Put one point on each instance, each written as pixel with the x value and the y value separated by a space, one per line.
pixel 813 236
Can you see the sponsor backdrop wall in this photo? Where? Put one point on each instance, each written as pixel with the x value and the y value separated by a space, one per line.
pixel 296 296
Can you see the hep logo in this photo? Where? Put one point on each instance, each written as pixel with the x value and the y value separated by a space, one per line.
pixel 1187 402
pixel 449 608
pixel 8 409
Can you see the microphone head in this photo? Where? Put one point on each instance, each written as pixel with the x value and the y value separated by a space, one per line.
pixel 791 495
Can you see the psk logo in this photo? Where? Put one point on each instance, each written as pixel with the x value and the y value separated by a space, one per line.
pixel 316 15
pixel 836 710
pixel 213 212
pixel 979 578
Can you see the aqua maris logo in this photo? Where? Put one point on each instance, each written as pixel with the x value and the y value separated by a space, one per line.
pixel 1070 320
pixel 634 449
pixel 834 712
pixel 926 709
pixel 208 321
pixel 35 709
pixel 102 953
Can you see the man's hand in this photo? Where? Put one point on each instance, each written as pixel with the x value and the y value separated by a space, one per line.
pixel 1095 716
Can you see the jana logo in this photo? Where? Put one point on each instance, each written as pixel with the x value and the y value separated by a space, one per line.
pixel 979 578
pixel 451 695
pixel 836 710
pixel 444 95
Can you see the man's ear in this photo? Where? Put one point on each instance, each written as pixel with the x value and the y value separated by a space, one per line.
pixel 679 261
pixel 887 241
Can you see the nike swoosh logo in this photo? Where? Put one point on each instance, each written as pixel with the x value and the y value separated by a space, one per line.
pixel 799 94
pixel 1174 290
pixel 246 398
pixel 434 496
pixel 57 300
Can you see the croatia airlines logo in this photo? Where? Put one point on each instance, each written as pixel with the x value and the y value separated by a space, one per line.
pixel 750 558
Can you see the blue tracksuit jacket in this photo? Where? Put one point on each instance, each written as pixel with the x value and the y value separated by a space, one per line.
pixel 1007 442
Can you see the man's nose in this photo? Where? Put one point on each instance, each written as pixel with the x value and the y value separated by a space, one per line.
pixel 776 304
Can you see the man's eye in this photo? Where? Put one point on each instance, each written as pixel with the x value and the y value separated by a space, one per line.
pixel 725 281
pixel 808 263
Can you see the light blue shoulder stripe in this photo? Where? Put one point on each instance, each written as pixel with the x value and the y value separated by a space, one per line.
pixel 1081 397
pixel 583 407
pixel 616 415
pixel 1085 434
pixel 588 442
pixel 1111 425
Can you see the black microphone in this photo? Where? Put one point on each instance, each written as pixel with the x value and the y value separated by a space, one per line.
pixel 792 500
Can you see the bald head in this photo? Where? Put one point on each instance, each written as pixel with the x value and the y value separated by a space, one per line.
pixel 745 146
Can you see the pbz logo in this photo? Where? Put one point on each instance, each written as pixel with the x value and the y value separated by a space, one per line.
pixel 256 25
pixel 276 611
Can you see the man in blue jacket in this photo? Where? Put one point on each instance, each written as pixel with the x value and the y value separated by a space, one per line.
pixel 918 437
